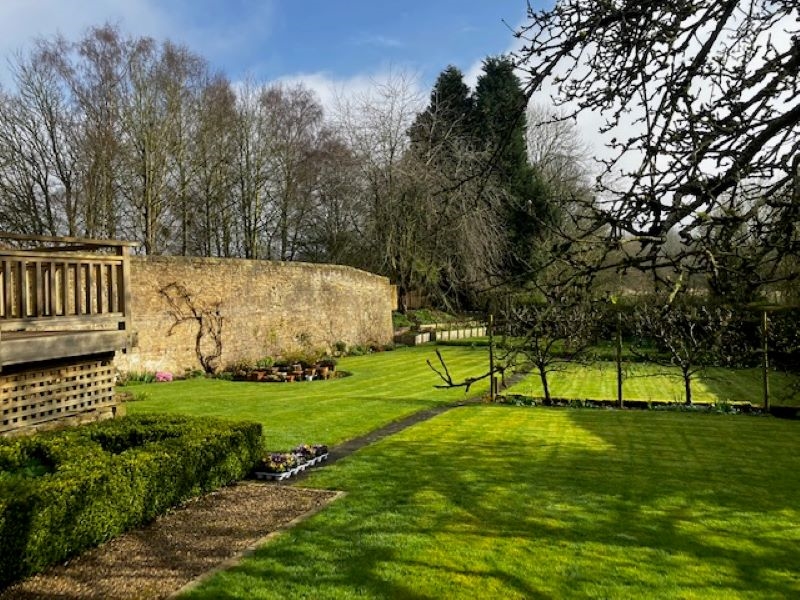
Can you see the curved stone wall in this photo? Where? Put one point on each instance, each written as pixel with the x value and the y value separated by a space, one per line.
pixel 255 309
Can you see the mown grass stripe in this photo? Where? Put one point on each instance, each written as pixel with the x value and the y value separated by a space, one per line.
pixel 655 383
pixel 384 387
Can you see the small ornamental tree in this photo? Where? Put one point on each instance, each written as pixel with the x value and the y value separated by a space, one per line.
pixel 552 333
pixel 687 336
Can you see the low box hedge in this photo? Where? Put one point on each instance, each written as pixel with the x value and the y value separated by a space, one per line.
pixel 62 492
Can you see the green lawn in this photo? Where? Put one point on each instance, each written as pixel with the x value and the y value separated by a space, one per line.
pixel 504 502
pixel 384 387
pixel 651 382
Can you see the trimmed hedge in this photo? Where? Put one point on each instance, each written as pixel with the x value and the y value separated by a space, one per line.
pixel 65 491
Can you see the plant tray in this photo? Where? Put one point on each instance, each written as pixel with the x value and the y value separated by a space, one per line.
pixel 268 476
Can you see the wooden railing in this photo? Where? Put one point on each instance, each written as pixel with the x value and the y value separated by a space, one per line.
pixel 57 283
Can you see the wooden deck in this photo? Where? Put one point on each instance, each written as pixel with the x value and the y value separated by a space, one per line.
pixel 64 312
pixel 23 347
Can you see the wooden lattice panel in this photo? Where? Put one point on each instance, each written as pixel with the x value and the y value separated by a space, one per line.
pixel 45 394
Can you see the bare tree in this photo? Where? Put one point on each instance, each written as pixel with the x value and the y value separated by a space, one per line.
pixel 331 235
pixel 252 169
pixel 184 76
pixel 558 153
pixel 40 177
pixel 429 221
pixel 95 69
pixel 374 126
pixel 687 336
pixel 702 99
pixel 213 166
pixel 154 120
pixel 552 333
pixel 293 137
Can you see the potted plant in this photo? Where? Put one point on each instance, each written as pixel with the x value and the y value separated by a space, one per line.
pixel 329 362
pixel 320 450
pixel 264 363
pixel 304 452
pixel 280 465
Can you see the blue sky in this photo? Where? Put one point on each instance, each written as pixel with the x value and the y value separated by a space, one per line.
pixel 328 42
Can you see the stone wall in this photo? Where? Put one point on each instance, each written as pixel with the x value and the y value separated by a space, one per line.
pixel 264 308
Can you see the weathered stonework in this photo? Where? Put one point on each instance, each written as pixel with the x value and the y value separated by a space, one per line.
pixel 266 309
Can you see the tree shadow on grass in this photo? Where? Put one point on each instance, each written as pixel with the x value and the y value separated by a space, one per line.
pixel 631 504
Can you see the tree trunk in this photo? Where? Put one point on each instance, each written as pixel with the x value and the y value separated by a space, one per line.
pixel 620 401
pixel 492 385
pixel 402 297
pixel 687 385
pixel 545 386
pixel 765 361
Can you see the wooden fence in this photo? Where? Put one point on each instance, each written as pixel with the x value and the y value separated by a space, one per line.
pixel 63 286
pixel 64 311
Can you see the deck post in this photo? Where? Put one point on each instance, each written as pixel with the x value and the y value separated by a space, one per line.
pixel 125 288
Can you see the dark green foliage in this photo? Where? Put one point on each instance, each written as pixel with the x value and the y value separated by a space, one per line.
pixel 63 492
pixel 784 338
pixel 500 104
pixel 499 121
pixel 357 350
pixel 449 118
pixel 400 320
pixel 427 316
pixel 472 175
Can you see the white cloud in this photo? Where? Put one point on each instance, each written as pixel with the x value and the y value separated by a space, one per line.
pixel 330 89
pixel 381 41
pixel 23 21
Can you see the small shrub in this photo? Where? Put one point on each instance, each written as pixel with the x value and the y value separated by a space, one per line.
pixel 163 376
pixel 400 320
pixel 340 347
pixel 328 361
pixel 305 358
pixel 240 366
pixel 725 407
pixel 139 395
pixel 264 363
pixel 517 400
pixel 134 377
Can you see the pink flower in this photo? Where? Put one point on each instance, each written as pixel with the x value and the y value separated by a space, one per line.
pixel 163 376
